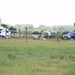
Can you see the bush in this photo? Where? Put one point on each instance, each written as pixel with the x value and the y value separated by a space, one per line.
pixel 65 32
pixel 45 35
pixel 53 35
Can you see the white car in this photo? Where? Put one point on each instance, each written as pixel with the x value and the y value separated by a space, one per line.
pixel 4 33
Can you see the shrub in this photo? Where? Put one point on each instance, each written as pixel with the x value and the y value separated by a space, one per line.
pixel 65 32
pixel 45 35
pixel 53 35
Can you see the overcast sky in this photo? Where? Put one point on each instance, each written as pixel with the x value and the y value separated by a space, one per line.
pixel 36 12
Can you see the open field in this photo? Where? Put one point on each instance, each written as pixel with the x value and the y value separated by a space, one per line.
pixel 37 57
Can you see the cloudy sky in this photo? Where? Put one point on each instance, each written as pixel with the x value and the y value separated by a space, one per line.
pixel 36 12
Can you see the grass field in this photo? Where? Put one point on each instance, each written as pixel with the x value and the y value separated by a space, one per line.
pixel 37 57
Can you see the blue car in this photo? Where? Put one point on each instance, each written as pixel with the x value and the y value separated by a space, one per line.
pixel 70 35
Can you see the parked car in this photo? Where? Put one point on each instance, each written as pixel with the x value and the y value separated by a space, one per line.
pixel 70 35
pixel 4 32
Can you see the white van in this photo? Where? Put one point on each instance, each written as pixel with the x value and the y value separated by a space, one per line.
pixel 4 33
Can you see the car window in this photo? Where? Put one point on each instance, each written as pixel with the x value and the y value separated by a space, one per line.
pixel 74 34
pixel 69 33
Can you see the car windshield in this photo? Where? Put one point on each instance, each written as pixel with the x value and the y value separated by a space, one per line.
pixel 70 34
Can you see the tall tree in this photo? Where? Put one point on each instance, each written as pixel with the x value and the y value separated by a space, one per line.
pixel 4 25
pixel 12 28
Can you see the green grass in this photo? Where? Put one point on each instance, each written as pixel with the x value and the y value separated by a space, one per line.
pixel 37 57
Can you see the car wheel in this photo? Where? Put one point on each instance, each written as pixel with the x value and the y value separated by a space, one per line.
pixel 74 38
pixel 65 38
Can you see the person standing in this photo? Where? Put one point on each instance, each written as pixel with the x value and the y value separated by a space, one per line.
pixel 49 34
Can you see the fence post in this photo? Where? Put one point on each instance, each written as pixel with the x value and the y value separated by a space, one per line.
pixel 58 33
pixel 26 34
pixel 5 33
pixel 19 33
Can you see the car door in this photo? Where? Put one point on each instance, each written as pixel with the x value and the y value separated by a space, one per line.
pixel 73 34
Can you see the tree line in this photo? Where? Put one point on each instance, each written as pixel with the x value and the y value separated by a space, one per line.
pixel 39 28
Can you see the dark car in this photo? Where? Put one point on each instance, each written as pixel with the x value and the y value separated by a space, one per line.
pixel 70 35
pixel 36 32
